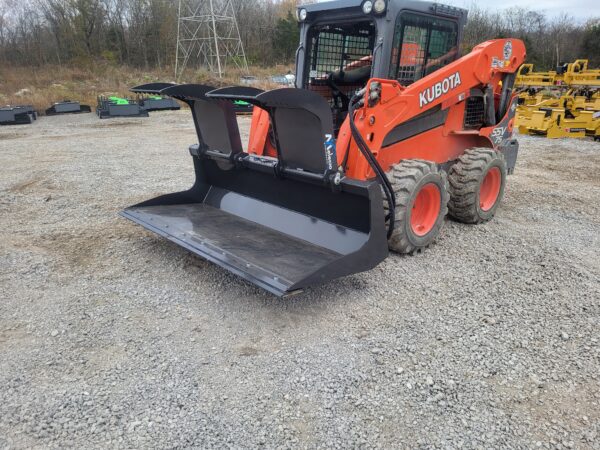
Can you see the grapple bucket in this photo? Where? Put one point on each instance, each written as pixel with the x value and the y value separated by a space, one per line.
pixel 68 107
pixel 150 99
pixel 17 115
pixel 281 223
pixel 151 88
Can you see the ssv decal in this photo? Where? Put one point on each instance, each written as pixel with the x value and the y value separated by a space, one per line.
pixel 438 89
pixel 497 134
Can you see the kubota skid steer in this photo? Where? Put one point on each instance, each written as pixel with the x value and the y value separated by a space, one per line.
pixel 387 131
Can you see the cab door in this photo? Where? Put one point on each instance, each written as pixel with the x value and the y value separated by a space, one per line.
pixel 422 44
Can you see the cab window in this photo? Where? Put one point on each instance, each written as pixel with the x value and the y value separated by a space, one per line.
pixel 342 52
pixel 422 45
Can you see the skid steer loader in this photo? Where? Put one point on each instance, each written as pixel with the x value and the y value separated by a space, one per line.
pixel 387 130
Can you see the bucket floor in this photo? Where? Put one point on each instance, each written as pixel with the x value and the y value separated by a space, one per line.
pixel 250 249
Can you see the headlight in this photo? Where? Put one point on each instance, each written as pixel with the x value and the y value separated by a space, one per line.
pixel 367 7
pixel 379 6
pixel 302 15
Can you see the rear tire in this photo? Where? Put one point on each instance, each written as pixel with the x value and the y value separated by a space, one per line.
pixel 477 184
pixel 422 196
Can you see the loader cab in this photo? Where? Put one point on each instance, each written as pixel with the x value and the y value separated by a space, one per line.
pixel 344 43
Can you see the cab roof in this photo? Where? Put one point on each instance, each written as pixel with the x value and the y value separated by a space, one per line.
pixel 393 7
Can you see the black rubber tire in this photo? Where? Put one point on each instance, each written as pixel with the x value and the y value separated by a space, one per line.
pixel 407 179
pixel 465 179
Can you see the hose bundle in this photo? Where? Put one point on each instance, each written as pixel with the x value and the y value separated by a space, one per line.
pixel 388 190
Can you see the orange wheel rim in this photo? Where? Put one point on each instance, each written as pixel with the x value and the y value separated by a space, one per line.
pixel 426 209
pixel 489 190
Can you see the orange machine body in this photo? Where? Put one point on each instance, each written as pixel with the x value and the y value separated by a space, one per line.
pixel 446 90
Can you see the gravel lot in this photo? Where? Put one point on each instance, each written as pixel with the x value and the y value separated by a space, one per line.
pixel 111 337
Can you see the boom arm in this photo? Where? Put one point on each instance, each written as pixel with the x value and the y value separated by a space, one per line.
pixel 438 94
pixel 484 66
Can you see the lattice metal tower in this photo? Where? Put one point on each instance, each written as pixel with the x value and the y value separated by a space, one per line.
pixel 208 36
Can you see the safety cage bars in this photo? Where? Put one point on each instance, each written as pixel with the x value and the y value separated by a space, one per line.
pixel 340 61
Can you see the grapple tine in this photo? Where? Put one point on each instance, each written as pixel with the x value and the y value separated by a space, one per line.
pixel 151 88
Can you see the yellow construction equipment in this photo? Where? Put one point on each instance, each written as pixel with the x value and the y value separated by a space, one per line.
pixel 578 75
pixel 558 123
pixel 526 77
pixel 589 101
pixel 561 103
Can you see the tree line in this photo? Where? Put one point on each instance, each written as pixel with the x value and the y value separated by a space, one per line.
pixel 143 33
pixel 140 33
pixel 550 41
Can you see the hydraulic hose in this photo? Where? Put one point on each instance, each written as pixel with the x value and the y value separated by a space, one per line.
pixel 366 152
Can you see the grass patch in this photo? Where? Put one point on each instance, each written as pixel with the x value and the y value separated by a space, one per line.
pixel 43 86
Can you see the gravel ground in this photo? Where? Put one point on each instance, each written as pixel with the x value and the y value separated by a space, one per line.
pixel 111 337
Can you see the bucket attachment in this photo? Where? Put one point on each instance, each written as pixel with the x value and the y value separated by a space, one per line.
pixel 282 223
pixel 239 96
pixel 17 115
pixel 242 108
pixel 151 88
pixel 68 107
pixel 151 100
pixel 109 107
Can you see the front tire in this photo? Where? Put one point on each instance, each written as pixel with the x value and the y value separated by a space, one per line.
pixel 421 191
pixel 477 184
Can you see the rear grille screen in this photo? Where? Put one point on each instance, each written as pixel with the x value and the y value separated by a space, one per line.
pixel 474 111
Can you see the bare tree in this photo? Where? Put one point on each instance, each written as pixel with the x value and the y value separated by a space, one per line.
pixel 143 33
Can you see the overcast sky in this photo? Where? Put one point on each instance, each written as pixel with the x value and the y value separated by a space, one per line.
pixel 581 9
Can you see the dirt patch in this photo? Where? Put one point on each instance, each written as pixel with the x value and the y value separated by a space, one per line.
pixel 6 137
pixel 13 334
pixel 247 351
pixel 24 185
pixel 36 185
pixel 81 251
pixel 555 166
pixel 115 123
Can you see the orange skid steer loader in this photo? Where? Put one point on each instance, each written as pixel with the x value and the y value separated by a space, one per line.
pixel 388 130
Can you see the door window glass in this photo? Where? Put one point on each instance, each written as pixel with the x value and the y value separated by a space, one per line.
pixel 422 45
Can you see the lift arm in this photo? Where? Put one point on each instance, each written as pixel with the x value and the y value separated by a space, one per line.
pixel 391 105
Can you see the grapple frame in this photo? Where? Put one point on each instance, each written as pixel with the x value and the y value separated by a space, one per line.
pixel 281 223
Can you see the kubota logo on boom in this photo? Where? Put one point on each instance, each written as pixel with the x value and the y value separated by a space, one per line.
pixel 438 89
